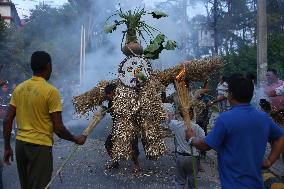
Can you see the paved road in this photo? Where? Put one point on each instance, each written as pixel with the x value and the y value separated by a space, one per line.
pixel 86 170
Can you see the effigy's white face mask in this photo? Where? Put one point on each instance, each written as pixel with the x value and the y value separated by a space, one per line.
pixel 130 67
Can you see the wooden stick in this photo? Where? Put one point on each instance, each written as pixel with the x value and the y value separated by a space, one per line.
pixel 94 122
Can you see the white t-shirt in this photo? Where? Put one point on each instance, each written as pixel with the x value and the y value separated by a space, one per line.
pixel 280 90
pixel 178 129
pixel 222 89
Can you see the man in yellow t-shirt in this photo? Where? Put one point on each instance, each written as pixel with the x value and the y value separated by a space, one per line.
pixel 37 107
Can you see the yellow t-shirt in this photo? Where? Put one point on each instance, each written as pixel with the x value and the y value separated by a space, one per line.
pixel 34 100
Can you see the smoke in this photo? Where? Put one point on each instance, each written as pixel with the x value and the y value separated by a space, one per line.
pixel 102 63
pixel 104 56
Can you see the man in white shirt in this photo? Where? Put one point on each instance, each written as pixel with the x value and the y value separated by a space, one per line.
pixel 184 158
pixel 279 91
pixel 222 90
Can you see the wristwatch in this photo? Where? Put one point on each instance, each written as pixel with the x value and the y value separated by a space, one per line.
pixel 190 140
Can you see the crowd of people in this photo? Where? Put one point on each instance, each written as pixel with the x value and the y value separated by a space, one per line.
pixel 239 135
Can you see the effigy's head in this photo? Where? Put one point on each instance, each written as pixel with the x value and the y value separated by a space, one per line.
pixel 134 71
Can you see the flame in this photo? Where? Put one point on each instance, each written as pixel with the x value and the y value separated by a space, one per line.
pixel 181 74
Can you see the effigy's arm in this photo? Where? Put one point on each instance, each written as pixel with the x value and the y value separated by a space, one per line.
pixel 195 70
pixel 89 100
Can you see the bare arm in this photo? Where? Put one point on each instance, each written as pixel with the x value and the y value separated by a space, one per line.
pixel 8 124
pixel 196 141
pixel 276 149
pixel 219 99
pixel 7 128
pixel 200 144
pixel 61 131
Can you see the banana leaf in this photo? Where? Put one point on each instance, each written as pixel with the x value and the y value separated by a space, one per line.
pixel 158 14
pixel 155 47
pixel 156 44
pixel 151 56
pixel 110 29
pixel 171 45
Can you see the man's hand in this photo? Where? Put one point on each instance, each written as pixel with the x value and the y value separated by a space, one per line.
pixel 189 133
pixel 81 139
pixel 266 164
pixel 210 104
pixel 8 154
pixel 169 116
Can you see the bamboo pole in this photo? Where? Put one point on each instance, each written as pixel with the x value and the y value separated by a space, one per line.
pixel 94 122
pixel 84 55
pixel 81 56
pixel 184 101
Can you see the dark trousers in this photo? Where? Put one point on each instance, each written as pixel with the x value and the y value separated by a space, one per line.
pixel 184 172
pixel 34 163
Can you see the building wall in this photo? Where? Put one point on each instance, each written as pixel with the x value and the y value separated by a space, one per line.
pixel 5 11
pixel 9 13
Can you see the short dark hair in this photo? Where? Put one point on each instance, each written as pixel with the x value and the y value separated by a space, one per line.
pixel 272 70
pixel 224 78
pixel 251 76
pixel 110 88
pixel 265 105
pixel 39 61
pixel 240 88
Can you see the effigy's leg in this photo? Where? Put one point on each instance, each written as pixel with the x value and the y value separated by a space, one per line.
pixel 124 107
pixel 153 143
pixel 123 135
pixel 151 114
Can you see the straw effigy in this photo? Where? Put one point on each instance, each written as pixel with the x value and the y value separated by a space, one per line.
pixel 88 101
pixel 139 111
pixel 195 70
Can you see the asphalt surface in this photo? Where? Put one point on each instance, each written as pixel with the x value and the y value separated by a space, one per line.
pixel 87 167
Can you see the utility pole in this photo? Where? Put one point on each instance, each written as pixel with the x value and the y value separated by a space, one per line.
pixel 215 9
pixel 184 27
pixel 261 43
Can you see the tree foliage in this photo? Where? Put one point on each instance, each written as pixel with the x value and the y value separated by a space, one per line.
pixel 235 26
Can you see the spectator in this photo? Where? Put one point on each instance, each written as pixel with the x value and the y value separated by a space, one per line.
pixel 273 83
pixel 240 136
pixel 37 107
pixel 184 165
pixel 254 100
pixel 5 97
pixel 202 111
pixel 279 91
pixel 222 92
pixel 203 114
